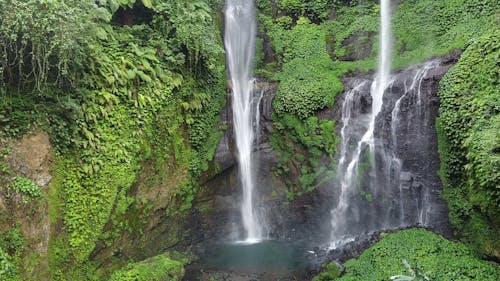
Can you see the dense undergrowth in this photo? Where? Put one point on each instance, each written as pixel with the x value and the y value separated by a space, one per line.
pixel 315 43
pixel 116 84
pixel 469 131
pixel 159 268
pixel 414 254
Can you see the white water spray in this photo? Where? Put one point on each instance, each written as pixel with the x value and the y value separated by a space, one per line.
pixel 240 32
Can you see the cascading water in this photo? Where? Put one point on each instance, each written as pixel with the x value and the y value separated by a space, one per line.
pixel 348 171
pixel 413 91
pixel 240 33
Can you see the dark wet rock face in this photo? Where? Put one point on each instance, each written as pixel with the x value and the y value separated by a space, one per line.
pixel 396 185
pixel 406 128
pixel 224 156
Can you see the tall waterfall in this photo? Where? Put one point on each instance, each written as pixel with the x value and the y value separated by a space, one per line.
pixel 240 33
pixel 348 170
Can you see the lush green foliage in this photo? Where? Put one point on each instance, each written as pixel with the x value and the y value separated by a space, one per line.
pixel 12 244
pixel 306 87
pixel 43 41
pixel 8 270
pixel 316 10
pixel 12 241
pixel 469 127
pixel 159 268
pixel 117 95
pixel 422 28
pixel 418 253
pixel 308 82
pixel 27 188
pixel 428 28
pixel 112 93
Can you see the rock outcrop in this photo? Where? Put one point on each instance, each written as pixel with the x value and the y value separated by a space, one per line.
pixel 29 157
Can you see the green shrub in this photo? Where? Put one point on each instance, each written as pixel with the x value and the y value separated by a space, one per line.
pixel 292 7
pixel 306 86
pixel 328 272
pixel 8 270
pixel 12 241
pixel 159 268
pixel 418 252
pixel 469 141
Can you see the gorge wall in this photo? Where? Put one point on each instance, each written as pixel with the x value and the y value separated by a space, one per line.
pixel 306 217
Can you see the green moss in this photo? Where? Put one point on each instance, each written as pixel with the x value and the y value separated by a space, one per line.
pixel 470 143
pixel 329 271
pixel 417 253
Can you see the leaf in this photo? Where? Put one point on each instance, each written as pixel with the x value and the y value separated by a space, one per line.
pixel 144 76
pixel 148 4
pixel 101 33
pixel 131 74
pixel 113 6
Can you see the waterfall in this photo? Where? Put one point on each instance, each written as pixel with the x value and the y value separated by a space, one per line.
pixel 348 171
pixel 240 33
